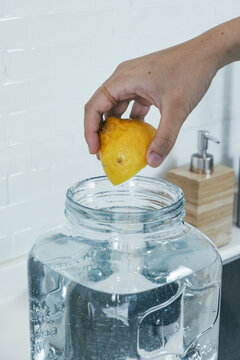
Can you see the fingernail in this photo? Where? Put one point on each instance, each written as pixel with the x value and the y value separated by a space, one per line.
pixel 154 159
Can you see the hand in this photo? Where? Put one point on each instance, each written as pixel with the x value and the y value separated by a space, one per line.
pixel 174 80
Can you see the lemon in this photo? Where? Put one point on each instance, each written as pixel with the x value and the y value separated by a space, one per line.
pixel 123 148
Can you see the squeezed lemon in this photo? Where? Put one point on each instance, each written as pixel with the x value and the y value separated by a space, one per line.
pixel 123 149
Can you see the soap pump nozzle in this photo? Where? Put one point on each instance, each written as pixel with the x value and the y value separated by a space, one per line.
pixel 202 162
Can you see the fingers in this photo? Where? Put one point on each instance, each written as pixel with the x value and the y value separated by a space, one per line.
pixel 165 138
pixel 101 104
pixel 97 105
pixel 139 111
pixel 118 109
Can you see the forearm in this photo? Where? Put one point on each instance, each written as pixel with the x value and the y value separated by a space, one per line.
pixel 223 42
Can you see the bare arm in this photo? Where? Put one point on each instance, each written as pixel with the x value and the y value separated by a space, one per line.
pixel 174 80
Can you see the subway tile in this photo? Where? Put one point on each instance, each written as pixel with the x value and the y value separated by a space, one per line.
pixel 40 30
pixel 14 97
pixel 64 175
pixel 51 29
pixel 113 4
pixel 20 216
pixel 5 220
pixel 62 148
pixel 16 7
pixel 56 5
pixel 15 217
pixel 48 210
pixel 59 89
pixel 154 43
pixel 71 57
pixel 43 211
pixel 41 153
pixel 80 145
pixel 1 8
pixel 41 94
pixel 169 21
pixel 15 158
pixel 29 185
pixel 117 51
pixel 5 248
pixel 143 3
pixel 76 91
pixel 3 191
pixel 18 127
pixel 53 150
pixel 122 22
pixel 174 3
pixel 2 67
pixel 67 119
pixel 23 240
pixel 230 145
pixel 226 11
pixel 27 64
pixel 90 166
pixel 232 89
pixel 14 33
pixel 92 24
pixel 56 90
pixel 24 7
pixel 2 131
pixel 28 125
pixel 39 61
pixel 41 122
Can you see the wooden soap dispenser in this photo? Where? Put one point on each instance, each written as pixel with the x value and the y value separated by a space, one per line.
pixel 208 191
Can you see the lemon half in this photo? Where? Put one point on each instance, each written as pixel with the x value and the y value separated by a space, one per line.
pixel 123 149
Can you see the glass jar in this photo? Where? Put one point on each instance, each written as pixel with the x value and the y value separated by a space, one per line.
pixel 124 278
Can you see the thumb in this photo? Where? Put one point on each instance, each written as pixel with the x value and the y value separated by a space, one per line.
pixel 164 138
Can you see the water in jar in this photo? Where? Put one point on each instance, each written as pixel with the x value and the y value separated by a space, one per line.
pixel 98 303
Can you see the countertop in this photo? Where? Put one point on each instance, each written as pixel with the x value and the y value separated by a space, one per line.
pixel 14 332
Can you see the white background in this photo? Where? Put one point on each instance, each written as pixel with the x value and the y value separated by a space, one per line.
pixel 53 56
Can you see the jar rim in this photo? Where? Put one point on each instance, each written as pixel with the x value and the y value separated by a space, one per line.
pixel 175 206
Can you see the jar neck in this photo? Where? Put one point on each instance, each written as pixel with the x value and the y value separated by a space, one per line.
pixel 140 206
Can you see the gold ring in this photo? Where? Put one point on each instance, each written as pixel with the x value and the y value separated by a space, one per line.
pixel 105 91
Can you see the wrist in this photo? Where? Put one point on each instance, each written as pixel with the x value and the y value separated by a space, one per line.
pixel 223 43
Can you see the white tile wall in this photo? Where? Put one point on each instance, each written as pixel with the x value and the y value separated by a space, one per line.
pixel 15 158
pixel 3 191
pixel 24 7
pixel 14 33
pixel 53 55
pixel 14 96
pixel 29 185
pixel 5 246
pixel 23 64
pixel 2 66
pixel 26 126
pixel 2 132
pixel 63 5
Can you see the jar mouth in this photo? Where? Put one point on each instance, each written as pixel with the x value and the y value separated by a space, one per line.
pixel 140 199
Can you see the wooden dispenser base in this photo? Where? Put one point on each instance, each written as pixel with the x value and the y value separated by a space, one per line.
pixel 209 200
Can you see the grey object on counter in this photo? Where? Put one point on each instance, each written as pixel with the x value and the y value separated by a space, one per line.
pixel 238 197
pixel 229 344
